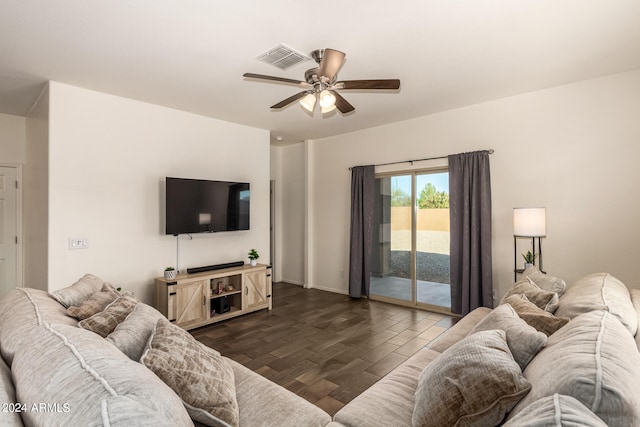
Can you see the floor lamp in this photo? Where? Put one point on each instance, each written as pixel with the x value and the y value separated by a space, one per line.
pixel 532 224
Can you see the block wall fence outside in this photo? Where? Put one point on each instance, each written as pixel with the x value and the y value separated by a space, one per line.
pixel 426 219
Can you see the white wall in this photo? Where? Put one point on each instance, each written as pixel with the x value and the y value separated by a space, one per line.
pixel 293 213
pixel 36 195
pixel 108 160
pixel 289 172
pixel 12 139
pixel 276 176
pixel 573 149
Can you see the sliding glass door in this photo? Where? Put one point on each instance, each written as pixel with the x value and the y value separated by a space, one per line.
pixel 410 260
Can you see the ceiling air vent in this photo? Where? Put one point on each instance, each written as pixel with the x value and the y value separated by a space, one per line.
pixel 283 57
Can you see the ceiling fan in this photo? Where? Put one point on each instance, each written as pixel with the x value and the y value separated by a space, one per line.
pixel 321 84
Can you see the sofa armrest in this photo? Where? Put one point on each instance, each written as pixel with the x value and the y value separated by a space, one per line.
pixel 390 401
pixel 635 300
pixel 459 330
pixel 262 402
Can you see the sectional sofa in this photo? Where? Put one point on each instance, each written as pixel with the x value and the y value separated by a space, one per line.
pixel 583 370
pixel 89 355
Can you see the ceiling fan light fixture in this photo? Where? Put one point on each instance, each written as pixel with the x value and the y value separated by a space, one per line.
pixel 328 109
pixel 327 99
pixel 308 102
pixel 321 84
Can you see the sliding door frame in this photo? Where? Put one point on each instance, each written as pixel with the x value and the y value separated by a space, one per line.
pixel 414 303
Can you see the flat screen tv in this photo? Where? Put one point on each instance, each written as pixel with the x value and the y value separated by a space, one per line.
pixel 202 206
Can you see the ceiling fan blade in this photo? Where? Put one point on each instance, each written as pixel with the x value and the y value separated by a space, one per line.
pixel 330 64
pixel 342 104
pixel 369 84
pixel 289 100
pixel 276 79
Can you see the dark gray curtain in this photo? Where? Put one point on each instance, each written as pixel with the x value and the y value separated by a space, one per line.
pixel 470 215
pixel 363 180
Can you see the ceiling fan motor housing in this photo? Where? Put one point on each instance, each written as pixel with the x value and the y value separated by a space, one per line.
pixel 317 55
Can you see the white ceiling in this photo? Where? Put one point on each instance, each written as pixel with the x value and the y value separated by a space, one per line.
pixel 191 54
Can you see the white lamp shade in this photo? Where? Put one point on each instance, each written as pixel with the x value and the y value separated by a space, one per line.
pixel 327 99
pixel 530 222
pixel 308 102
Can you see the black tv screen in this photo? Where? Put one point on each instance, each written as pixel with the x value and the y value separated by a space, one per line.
pixel 202 206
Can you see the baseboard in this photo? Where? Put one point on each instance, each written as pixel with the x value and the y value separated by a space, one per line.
pixel 320 288
pixel 334 290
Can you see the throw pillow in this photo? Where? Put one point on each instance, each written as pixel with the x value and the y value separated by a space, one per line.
pixel 523 339
pixel 104 322
pixel 474 382
pixel 556 410
pixel 95 303
pixel 131 336
pixel 543 321
pixel 77 293
pixel 198 374
pixel 545 281
pixel 548 301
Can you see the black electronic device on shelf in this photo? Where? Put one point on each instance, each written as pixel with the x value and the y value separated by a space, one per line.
pixel 215 267
pixel 221 304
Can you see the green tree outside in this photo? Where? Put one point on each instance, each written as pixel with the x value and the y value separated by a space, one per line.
pixel 400 198
pixel 431 198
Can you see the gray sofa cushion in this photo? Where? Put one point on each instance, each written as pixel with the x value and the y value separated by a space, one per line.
pixel 475 382
pixel 556 411
pixel 76 370
pixel 122 411
pixel 23 309
pixel 264 403
pixel 599 291
pixel 595 360
pixel 9 416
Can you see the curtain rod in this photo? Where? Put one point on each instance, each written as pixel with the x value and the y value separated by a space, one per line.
pixel 419 160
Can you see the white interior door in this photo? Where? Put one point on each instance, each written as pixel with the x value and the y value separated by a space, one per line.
pixel 8 229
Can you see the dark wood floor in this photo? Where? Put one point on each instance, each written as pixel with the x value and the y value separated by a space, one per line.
pixel 324 346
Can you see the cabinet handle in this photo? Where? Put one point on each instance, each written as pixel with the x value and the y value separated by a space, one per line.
pixel 246 291
pixel 204 299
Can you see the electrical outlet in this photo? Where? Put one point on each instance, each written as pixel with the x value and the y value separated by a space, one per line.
pixel 78 243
